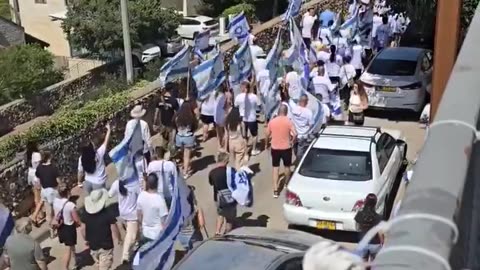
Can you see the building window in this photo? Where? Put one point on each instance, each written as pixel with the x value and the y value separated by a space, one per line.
pixel 40 1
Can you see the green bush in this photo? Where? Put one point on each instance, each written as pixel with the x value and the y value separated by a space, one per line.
pixel 64 123
pixel 248 10
pixel 152 69
pixel 25 71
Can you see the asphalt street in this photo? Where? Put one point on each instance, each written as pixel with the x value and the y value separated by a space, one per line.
pixel 266 212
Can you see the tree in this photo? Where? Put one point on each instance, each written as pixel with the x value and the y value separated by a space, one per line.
pixel 4 9
pixel 264 9
pixel 96 25
pixel 26 70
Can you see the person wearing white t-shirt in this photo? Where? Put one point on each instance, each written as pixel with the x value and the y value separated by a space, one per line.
pixel 67 228
pixel 357 53
pixel 293 83
pixel 127 195
pixel 333 65
pixel 303 121
pixel 322 86
pixel 219 117
pixel 207 111
pixel 377 21
pixel 347 77
pixel 326 113
pixel 325 33
pixel 91 165
pixel 152 209
pixel 247 103
pixel 256 51
pixel 259 64
pixel 308 21
pixel 165 170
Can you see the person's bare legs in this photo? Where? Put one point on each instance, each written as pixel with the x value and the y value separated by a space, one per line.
pixel 228 227
pixel 205 132
pixel 255 151
pixel 220 137
pixel 68 256
pixel 186 161
pixel 288 172
pixel 38 208
pixel 275 178
pixel 219 224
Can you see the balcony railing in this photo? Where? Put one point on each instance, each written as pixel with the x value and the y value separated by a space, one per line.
pixel 445 188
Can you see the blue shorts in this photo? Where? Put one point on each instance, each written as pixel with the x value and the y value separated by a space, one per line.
pixel 184 141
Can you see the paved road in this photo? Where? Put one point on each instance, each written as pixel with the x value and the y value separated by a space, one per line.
pixel 267 211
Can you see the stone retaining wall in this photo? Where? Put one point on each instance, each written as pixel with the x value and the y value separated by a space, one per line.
pixel 14 191
pixel 21 111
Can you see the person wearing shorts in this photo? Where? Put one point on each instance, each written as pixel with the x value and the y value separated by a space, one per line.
pixel 207 113
pixel 247 103
pixel 282 133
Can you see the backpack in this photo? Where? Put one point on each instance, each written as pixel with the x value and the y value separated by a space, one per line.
pixel 225 198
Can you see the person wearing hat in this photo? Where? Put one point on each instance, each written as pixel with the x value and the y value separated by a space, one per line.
pixel 137 113
pixel 22 252
pixel 100 229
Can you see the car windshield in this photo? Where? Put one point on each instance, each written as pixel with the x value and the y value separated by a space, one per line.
pixel 337 165
pixel 389 67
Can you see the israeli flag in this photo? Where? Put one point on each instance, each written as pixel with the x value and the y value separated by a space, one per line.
pixel 272 101
pixel 238 28
pixel 241 66
pixel 293 9
pixel 273 57
pixel 298 54
pixel 6 224
pixel 177 67
pixel 208 76
pixel 127 153
pixel 159 254
pixel 202 40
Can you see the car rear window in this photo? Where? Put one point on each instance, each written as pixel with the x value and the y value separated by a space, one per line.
pixel 388 67
pixel 210 22
pixel 337 165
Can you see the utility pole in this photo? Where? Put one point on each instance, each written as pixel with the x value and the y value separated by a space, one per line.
pixel 126 41
pixel 185 8
pixel 447 32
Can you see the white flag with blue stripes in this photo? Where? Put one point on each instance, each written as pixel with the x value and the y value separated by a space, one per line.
pixel 272 101
pixel 6 224
pixel 238 28
pixel 273 57
pixel 202 40
pixel 177 67
pixel 126 154
pixel 293 9
pixel 241 66
pixel 159 254
pixel 299 54
pixel 208 76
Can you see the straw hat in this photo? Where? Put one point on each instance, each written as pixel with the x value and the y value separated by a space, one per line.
pixel 96 201
pixel 138 111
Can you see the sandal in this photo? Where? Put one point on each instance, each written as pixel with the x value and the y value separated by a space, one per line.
pixel 275 194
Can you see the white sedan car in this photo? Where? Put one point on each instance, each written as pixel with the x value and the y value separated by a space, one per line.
pixel 399 78
pixel 190 26
pixel 342 166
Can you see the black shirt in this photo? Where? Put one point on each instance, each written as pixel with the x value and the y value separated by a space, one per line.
pixel 98 232
pixel 47 174
pixel 218 179
pixel 167 110
pixel 367 220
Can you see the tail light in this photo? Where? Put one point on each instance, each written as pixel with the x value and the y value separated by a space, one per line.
pixel 292 198
pixel 412 86
pixel 358 205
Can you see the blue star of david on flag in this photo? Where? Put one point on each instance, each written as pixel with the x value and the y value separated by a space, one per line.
pixel 238 28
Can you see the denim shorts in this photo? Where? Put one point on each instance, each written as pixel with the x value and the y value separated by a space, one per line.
pixel 184 141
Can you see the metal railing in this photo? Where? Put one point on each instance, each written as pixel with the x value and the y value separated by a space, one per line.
pixel 446 180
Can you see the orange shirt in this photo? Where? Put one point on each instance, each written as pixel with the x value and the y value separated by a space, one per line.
pixel 280 129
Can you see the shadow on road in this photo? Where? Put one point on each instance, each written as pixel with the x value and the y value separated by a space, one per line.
pixel 245 221
pixel 202 163
pixel 399 116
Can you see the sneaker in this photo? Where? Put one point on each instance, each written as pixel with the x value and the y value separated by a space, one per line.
pixel 255 152
pixel 275 194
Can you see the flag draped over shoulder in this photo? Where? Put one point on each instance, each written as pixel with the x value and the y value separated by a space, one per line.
pixel 127 153
pixel 238 28
pixel 208 76
pixel 293 9
pixel 241 66
pixel 177 67
pixel 159 254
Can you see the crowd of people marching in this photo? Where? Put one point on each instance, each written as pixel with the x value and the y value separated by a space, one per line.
pixel 144 202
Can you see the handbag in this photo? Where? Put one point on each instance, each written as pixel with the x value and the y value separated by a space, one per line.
pixel 58 220
pixel 225 198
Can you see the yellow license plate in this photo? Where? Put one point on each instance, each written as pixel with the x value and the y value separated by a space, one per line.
pixel 326 225
pixel 389 89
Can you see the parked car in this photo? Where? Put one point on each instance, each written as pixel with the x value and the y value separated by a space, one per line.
pixel 340 167
pixel 252 248
pixel 190 26
pixel 399 78
pixel 162 48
